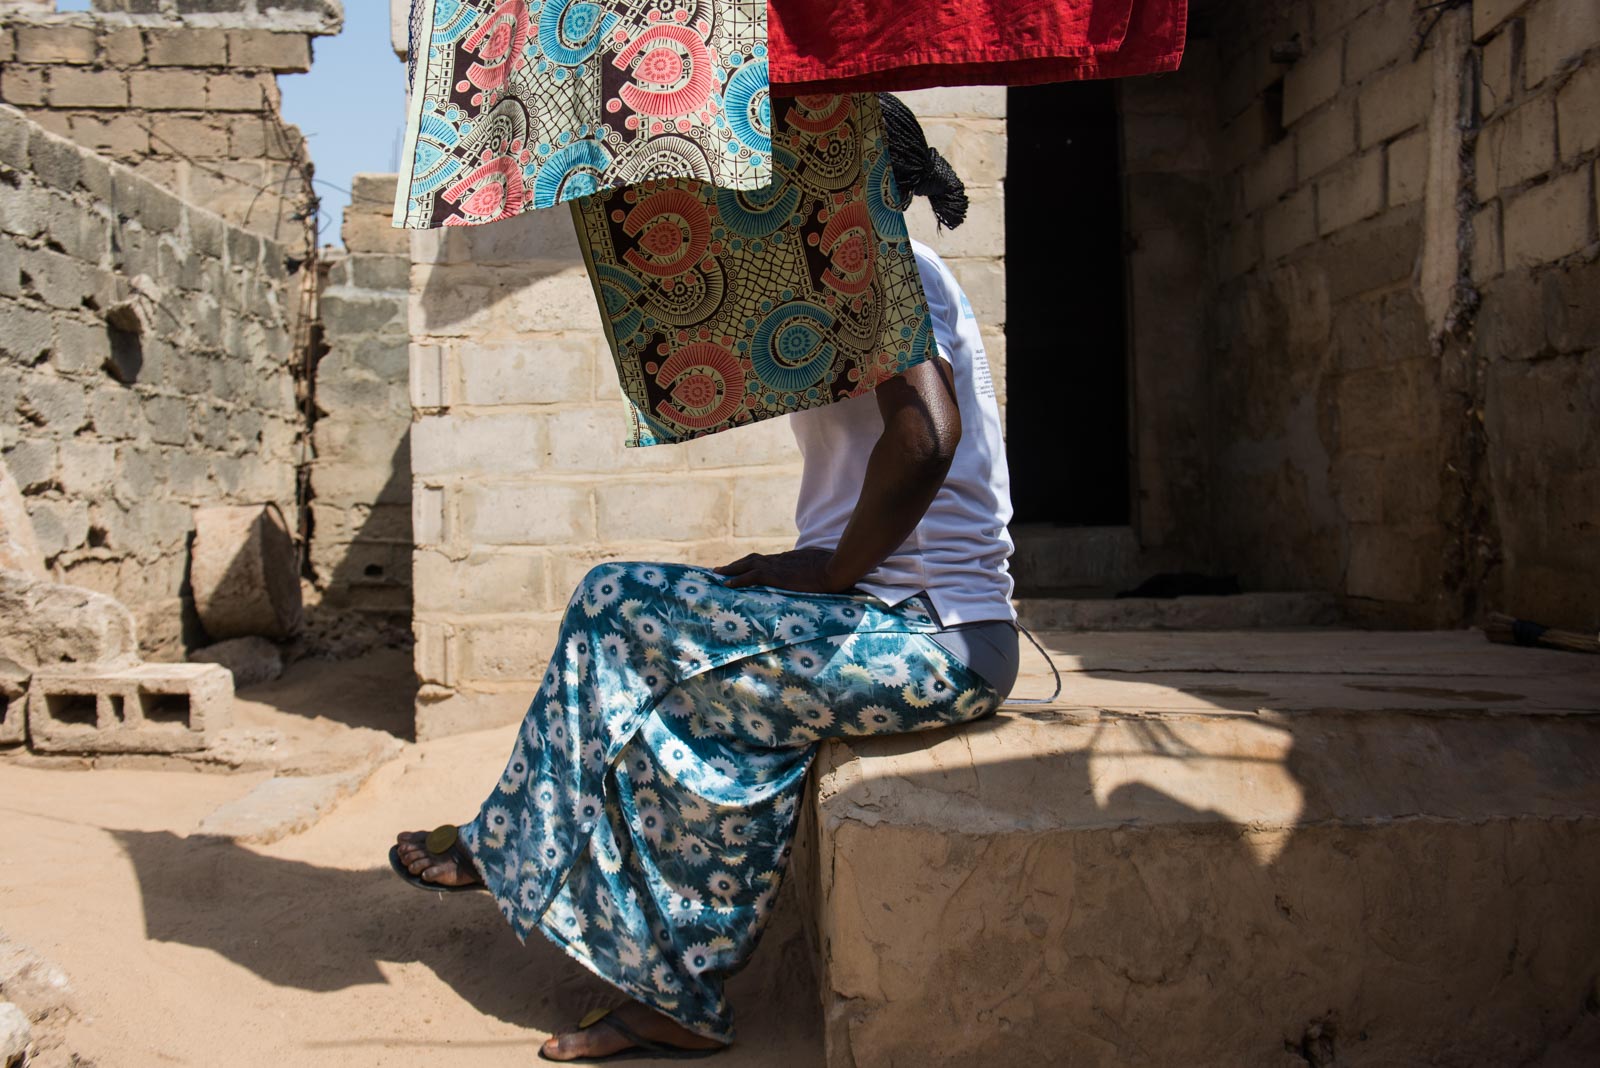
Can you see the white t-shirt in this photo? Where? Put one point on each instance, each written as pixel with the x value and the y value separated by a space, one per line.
pixel 958 552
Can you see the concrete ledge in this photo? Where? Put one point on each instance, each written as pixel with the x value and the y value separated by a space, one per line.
pixel 1382 848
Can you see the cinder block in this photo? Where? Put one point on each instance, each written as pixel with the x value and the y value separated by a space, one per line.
pixel 1289 224
pixel 123 47
pixel 1578 112
pixel 71 87
pixel 505 650
pixel 1351 193
pixel 1558 31
pixel 187 48
pixel 1327 137
pixel 679 509
pixel 1548 221
pixel 55 44
pixel 590 439
pixel 763 506
pixel 484 583
pixel 1498 68
pixel 1395 101
pixel 286 53
pixel 239 92
pixel 151 708
pixel 168 90
pixel 1487 15
pixel 1408 169
pixel 535 370
pixel 975 148
pixel 1268 176
pixel 467 444
pixel 1313 81
pixel 1381 36
pixel 529 514
pixel 22 86
pixel 1517 147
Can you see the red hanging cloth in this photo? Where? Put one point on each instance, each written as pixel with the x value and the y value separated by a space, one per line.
pixel 840 46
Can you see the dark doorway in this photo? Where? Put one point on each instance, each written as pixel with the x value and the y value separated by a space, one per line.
pixel 1066 334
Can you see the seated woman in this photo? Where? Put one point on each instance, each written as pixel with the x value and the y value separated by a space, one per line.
pixel 645 816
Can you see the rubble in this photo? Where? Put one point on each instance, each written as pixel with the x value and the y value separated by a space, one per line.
pixel 16 1035
pixel 149 708
pixel 46 623
pixel 19 549
pixel 251 660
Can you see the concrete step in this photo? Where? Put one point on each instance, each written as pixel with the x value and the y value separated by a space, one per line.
pixel 1049 557
pixel 1241 611
pixel 1221 849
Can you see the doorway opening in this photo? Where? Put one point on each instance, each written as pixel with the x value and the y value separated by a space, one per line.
pixel 1066 330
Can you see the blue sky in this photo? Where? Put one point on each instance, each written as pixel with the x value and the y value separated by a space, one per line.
pixel 350 107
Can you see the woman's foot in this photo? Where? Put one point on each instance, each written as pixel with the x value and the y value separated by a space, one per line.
pixel 599 1040
pixel 444 870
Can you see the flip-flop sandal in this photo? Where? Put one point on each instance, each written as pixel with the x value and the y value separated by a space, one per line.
pixel 642 1047
pixel 442 843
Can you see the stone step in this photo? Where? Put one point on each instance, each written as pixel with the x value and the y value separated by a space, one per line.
pixel 1235 612
pixel 1049 557
pixel 1221 849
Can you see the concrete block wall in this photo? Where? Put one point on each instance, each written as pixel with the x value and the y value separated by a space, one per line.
pixel 185 91
pixel 360 533
pixel 113 436
pixel 1169 143
pixel 1324 398
pixel 520 481
pixel 1536 193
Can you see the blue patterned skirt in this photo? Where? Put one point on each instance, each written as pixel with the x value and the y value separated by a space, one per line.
pixel 645 817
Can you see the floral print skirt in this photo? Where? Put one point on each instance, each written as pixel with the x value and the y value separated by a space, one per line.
pixel 644 819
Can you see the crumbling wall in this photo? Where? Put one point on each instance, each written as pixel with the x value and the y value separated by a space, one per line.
pixel 116 429
pixel 1537 332
pixel 184 91
pixel 361 475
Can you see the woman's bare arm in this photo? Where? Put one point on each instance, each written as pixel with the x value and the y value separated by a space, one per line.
pixel 921 428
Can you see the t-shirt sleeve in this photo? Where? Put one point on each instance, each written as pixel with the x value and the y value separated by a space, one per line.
pixel 944 300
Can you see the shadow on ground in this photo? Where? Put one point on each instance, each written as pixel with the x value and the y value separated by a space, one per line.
pixel 322 929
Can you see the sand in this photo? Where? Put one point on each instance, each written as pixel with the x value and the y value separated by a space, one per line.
pixel 192 951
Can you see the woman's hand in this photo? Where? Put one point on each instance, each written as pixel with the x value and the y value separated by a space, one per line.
pixel 798 570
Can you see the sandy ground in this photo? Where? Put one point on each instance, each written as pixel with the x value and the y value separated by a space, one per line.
pixel 185 950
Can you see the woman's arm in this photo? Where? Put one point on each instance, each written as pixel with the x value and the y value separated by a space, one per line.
pixel 921 428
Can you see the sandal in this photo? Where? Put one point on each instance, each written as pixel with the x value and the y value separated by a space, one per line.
pixel 443 843
pixel 642 1047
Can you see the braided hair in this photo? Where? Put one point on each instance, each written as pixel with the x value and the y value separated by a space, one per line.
pixel 919 170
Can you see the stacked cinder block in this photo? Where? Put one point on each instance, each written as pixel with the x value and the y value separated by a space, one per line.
pixel 144 370
pixel 185 92
pixel 1536 184
pixel 1326 398
pixel 361 476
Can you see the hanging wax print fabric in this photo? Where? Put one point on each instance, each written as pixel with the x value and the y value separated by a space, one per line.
pixel 864 45
pixel 726 307
pixel 519 104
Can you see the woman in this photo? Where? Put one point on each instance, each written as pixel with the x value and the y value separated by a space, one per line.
pixel 644 819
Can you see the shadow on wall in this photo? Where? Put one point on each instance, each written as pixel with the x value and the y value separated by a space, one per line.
pixel 472 270
pixel 368 567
